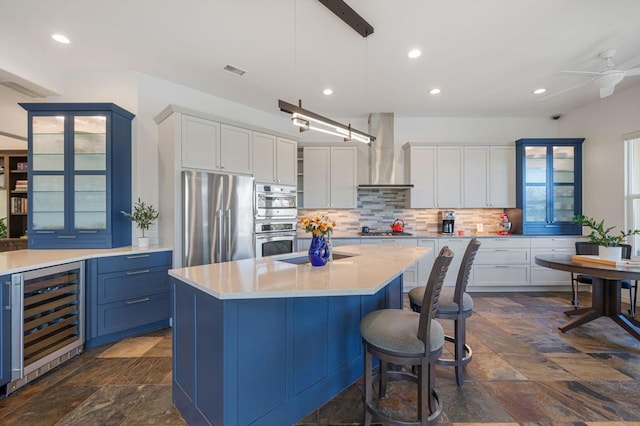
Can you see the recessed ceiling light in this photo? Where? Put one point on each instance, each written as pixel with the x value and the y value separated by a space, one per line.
pixel 434 91
pixel 60 38
pixel 414 53
pixel 327 92
pixel 539 91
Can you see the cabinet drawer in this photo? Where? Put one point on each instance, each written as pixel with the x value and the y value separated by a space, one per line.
pixel 119 316
pixel 485 275
pixel 546 276
pixel 133 261
pixel 120 286
pixel 501 256
pixel 555 242
pixel 504 243
pixel 543 251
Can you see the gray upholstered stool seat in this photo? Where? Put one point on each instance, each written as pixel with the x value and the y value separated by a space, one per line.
pixel 455 304
pixel 445 303
pixel 410 339
pixel 396 331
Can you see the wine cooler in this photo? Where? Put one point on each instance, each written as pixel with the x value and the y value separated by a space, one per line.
pixel 47 318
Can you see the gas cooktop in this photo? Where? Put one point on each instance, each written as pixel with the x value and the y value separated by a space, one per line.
pixel 384 234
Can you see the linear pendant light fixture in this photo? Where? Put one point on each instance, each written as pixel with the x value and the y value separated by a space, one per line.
pixel 307 120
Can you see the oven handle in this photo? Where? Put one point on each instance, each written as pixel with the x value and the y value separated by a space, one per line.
pixel 17 323
pixel 269 235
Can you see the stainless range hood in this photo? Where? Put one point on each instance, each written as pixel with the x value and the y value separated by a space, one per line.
pixel 381 154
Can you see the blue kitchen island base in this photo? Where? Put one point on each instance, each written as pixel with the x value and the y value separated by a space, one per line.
pixel 267 361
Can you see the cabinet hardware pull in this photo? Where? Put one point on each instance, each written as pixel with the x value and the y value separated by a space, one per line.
pixel 501 266
pixel 45 232
pixel 66 236
pixel 88 232
pixel 137 256
pixel 144 299
pixel 142 271
pixel 501 250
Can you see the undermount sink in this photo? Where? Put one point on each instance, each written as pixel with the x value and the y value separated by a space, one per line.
pixel 302 260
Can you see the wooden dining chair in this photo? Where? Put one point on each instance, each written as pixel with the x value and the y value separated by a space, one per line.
pixel 589 248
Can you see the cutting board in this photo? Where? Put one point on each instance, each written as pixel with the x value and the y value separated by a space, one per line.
pixel 597 259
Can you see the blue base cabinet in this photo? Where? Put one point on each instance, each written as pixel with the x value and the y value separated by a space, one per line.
pixel 266 361
pixel 79 175
pixel 549 185
pixel 127 295
pixel 5 328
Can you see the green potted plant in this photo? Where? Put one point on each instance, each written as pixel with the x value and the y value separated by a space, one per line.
pixel 143 215
pixel 609 245
pixel 3 227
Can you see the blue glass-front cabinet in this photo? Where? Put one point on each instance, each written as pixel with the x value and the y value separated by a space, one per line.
pixel 549 185
pixel 79 162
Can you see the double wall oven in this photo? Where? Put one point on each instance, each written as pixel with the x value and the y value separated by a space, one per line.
pixel 276 215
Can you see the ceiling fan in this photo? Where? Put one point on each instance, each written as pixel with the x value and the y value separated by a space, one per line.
pixel 606 79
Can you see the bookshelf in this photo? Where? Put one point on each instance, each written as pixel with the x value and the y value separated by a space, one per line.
pixel 14 182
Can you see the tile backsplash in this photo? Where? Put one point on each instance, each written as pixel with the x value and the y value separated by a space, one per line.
pixel 378 209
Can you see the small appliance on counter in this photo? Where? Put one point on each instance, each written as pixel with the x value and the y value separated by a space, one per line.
pixel 448 218
pixel 504 226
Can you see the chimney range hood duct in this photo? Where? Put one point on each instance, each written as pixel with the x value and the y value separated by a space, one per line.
pixel 381 154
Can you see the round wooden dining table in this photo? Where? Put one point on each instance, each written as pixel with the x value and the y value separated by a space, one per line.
pixel 605 294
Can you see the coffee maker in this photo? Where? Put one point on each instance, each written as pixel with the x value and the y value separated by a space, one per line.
pixel 448 218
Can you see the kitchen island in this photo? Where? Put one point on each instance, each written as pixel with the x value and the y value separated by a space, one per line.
pixel 269 340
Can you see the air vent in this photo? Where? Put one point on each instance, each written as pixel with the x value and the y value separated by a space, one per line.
pixel 234 70
pixel 21 89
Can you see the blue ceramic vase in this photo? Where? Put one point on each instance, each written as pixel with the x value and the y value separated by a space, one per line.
pixel 318 251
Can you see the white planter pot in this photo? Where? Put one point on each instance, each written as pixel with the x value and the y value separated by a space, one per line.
pixel 610 253
pixel 143 242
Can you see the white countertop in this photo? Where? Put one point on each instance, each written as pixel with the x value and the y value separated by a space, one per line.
pixel 369 270
pixel 23 260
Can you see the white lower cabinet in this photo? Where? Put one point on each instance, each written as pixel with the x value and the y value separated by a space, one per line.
pixel 410 276
pixel 541 276
pixel 501 262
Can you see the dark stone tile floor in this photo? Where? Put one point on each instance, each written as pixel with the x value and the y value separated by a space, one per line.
pixel 524 372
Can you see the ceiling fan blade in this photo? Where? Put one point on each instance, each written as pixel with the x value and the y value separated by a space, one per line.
pixel 581 72
pixel 560 92
pixel 606 91
pixel 632 72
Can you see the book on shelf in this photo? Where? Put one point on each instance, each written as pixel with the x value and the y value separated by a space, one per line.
pixel 22 166
pixel 21 185
pixel 18 205
pixel 597 259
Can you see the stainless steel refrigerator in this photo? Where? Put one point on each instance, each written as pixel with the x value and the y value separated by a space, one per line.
pixel 218 218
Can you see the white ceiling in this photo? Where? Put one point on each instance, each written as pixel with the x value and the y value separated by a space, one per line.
pixel 487 56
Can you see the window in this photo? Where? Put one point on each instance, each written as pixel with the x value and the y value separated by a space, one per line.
pixel 632 148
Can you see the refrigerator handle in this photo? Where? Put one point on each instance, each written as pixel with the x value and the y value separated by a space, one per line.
pixel 229 234
pixel 219 242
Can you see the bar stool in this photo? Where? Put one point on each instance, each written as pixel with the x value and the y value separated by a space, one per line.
pixel 456 304
pixel 406 338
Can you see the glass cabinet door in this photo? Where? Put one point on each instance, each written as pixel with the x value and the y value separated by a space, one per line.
pixel 535 183
pixel 48 162
pixel 563 160
pixel 89 172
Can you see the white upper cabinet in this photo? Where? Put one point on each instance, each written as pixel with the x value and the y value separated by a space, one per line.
pixel 436 173
pixel 330 177
pixel 489 176
pixel 275 159
pixel 200 143
pixel 236 153
pixel 449 184
pixel 209 145
pixel 420 170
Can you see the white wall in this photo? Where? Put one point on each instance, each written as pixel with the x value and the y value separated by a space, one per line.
pixel 603 124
